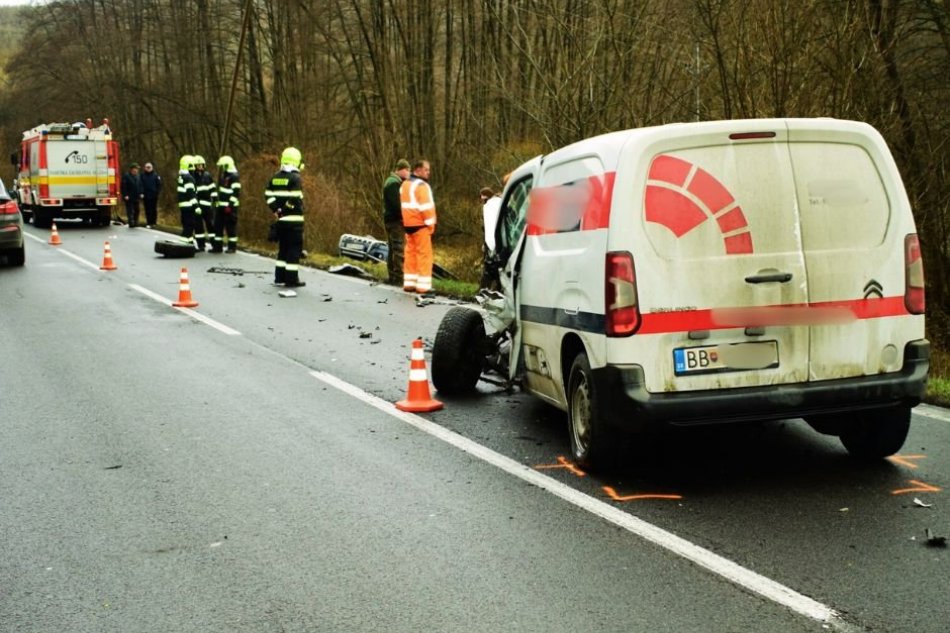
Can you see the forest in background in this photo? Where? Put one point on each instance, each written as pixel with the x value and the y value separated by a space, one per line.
pixel 476 86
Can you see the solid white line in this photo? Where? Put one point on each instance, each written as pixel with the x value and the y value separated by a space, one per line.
pixel 60 249
pixel 715 563
pixel 930 411
pixel 197 316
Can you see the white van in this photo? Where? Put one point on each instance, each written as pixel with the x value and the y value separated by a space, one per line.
pixel 702 273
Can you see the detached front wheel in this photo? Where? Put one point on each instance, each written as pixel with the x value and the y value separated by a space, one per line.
pixel 458 353
pixel 589 434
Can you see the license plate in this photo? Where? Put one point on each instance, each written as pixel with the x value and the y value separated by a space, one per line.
pixel 730 357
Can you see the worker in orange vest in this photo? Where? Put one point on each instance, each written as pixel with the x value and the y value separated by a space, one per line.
pixel 418 218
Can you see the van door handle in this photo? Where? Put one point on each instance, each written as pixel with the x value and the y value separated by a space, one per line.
pixel 769 277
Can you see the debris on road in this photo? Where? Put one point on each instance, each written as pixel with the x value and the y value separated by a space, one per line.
pixel 224 270
pixel 933 540
pixel 365 334
pixel 921 504
pixel 425 300
pixel 349 270
pixel 325 297
pixel 287 293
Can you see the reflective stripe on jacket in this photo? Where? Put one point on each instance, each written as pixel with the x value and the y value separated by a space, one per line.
pixel 186 191
pixel 284 194
pixel 418 205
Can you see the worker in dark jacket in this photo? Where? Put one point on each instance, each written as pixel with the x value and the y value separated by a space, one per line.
pixel 392 219
pixel 131 188
pixel 151 188
pixel 228 203
pixel 284 196
pixel 204 216
pixel 187 198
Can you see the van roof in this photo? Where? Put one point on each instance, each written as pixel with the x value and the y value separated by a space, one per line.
pixel 608 146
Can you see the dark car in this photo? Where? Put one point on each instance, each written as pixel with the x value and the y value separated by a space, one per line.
pixel 11 229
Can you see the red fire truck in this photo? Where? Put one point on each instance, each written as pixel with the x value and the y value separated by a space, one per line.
pixel 68 170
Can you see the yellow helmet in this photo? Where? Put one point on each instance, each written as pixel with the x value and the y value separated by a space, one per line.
pixel 291 156
pixel 227 163
pixel 199 160
pixel 186 162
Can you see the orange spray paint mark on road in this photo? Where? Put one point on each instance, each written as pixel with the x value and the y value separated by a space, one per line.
pixel 919 486
pixel 905 460
pixel 613 495
pixel 563 463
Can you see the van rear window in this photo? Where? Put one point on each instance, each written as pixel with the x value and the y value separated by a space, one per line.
pixel 843 202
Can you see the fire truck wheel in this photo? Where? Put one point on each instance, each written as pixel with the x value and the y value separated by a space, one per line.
pixel 42 219
pixel 105 216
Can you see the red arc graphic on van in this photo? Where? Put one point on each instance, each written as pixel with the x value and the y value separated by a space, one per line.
pixel 681 196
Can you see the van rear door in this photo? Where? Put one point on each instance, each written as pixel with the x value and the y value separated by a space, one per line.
pixel 722 285
pixel 854 220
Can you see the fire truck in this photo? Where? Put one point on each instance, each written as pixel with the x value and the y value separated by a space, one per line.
pixel 68 170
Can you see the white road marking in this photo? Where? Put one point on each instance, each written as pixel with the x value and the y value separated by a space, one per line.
pixel 932 412
pixel 65 252
pixel 197 316
pixel 715 563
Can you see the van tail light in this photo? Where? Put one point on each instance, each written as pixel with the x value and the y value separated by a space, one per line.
pixel 620 295
pixel 914 295
pixel 8 207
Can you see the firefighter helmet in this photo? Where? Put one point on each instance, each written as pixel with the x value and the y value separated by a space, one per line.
pixel 291 156
pixel 186 162
pixel 227 163
pixel 199 160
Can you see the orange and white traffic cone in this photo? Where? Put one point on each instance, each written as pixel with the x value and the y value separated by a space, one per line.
pixel 184 292
pixel 54 237
pixel 107 263
pixel 418 399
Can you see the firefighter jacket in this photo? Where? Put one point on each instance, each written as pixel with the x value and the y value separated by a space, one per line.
pixel 204 187
pixel 229 191
pixel 392 204
pixel 284 194
pixel 418 205
pixel 187 195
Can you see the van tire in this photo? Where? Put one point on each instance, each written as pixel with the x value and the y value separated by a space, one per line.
pixel 587 428
pixel 458 357
pixel 17 257
pixel 877 433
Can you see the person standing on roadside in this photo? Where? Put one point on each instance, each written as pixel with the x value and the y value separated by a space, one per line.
pixel 205 189
pixel 392 219
pixel 187 198
pixel 151 188
pixel 418 220
pixel 284 197
pixel 228 202
pixel 491 208
pixel 131 187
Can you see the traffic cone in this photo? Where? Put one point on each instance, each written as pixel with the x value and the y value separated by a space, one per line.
pixel 54 238
pixel 107 263
pixel 418 399
pixel 184 292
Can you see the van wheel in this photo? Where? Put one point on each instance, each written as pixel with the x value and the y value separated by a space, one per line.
pixel 589 435
pixel 877 434
pixel 458 353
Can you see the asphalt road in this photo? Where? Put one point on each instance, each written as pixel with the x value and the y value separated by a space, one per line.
pixel 244 472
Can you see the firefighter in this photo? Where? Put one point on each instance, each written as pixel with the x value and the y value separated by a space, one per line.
pixel 284 195
pixel 418 218
pixel 187 198
pixel 204 220
pixel 226 209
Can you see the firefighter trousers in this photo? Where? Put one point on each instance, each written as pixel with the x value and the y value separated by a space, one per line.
pixel 225 221
pixel 289 252
pixel 417 267
pixel 187 223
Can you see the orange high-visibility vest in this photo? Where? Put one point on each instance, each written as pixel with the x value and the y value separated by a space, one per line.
pixel 418 205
